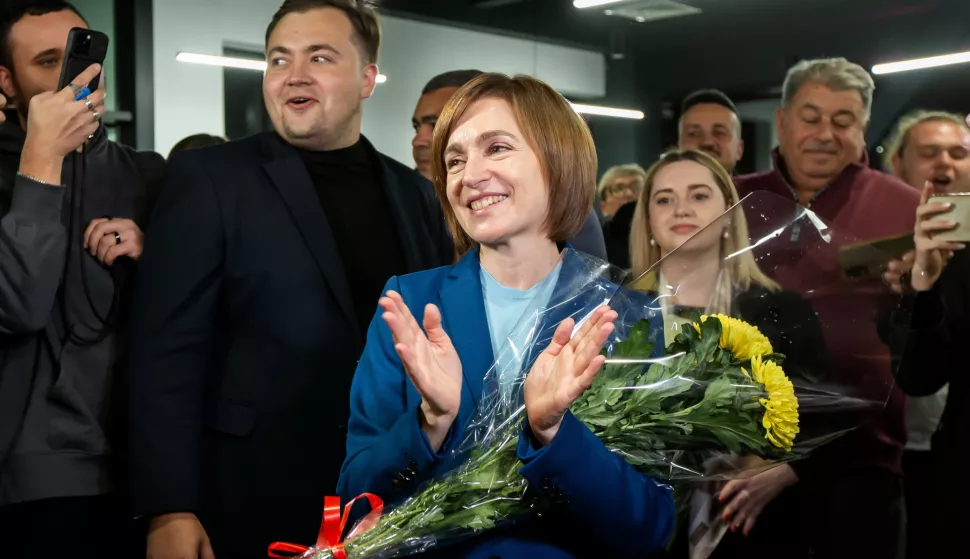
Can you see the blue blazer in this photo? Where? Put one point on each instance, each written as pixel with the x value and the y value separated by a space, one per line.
pixel 599 505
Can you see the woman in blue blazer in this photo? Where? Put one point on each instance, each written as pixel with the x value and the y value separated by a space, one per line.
pixel 514 166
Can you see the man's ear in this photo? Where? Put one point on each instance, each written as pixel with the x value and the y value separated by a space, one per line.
pixel 6 83
pixel 897 165
pixel 370 80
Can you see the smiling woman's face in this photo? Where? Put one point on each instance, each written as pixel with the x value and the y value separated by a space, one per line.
pixel 495 181
pixel 683 200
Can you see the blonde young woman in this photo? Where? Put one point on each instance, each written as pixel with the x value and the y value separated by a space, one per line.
pixel 685 199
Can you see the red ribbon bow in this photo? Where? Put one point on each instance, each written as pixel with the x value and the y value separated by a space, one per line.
pixel 332 527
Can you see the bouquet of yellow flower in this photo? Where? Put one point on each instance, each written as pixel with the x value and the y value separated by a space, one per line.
pixel 719 389
pixel 718 399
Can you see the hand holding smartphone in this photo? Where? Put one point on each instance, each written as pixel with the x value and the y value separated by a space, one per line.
pixel 941 222
pixel 63 120
pixel 84 48
pixel 959 212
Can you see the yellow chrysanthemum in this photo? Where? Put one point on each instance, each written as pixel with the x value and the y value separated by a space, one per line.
pixel 740 338
pixel 781 406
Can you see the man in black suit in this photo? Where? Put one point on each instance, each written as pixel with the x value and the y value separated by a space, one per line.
pixel 262 271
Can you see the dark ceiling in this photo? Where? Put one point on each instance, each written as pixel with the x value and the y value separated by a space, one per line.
pixel 743 46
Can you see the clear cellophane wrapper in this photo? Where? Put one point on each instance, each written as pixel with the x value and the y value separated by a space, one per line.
pixel 689 399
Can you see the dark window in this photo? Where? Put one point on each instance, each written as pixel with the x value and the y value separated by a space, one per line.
pixel 245 111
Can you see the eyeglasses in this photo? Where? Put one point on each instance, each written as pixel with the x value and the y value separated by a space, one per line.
pixel 618 189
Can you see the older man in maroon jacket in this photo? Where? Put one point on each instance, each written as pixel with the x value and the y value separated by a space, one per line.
pixel 847 499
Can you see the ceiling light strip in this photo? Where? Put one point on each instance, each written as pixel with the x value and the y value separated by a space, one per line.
pixel 921 63
pixel 607 111
pixel 230 62
pixel 594 3
pixel 260 65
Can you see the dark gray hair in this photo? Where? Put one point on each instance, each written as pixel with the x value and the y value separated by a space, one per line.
pixel 837 74
pixel 454 78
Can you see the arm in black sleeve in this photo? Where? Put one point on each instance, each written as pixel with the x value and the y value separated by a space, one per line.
pixel 792 325
pixel 33 251
pixel 173 320
pixel 923 343
pixel 152 168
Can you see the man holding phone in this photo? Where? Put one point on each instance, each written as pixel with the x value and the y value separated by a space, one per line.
pixel 72 205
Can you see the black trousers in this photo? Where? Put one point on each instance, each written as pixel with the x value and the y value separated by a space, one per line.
pixel 920 512
pixel 847 517
pixel 75 527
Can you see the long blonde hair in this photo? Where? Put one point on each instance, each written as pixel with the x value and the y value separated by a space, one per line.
pixel 740 272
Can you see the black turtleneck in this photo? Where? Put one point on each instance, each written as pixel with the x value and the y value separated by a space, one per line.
pixel 350 185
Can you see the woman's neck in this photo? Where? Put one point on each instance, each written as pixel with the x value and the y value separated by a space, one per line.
pixel 693 278
pixel 520 264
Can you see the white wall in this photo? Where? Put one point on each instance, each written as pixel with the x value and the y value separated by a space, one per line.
pixel 189 98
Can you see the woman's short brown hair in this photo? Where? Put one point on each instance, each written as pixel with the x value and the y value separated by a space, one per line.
pixel 560 138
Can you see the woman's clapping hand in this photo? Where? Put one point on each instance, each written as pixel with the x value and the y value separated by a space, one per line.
pixel 564 371
pixel 430 361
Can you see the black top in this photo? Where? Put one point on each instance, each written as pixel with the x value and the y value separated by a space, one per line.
pixel 929 343
pixel 350 186
pixel 617 234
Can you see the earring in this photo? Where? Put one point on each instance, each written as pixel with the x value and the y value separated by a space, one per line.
pixel 653 243
pixel 726 235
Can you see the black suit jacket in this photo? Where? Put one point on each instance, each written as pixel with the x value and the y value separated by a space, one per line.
pixel 245 341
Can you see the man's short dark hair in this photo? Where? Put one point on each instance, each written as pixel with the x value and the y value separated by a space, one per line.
pixel 454 78
pixel 361 13
pixel 711 96
pixel 196 141
pixel 18 10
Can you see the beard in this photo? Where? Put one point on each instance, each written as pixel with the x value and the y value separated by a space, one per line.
pixel 18 101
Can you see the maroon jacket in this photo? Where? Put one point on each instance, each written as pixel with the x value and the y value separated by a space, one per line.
pixel 864 204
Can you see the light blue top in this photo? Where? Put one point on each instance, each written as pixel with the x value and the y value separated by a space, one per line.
pixel 505 307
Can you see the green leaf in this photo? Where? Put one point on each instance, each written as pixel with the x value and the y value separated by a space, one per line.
pixel 710 337
pixel 636 345
pixel 729 439
pixel 477 518
pixel 600 420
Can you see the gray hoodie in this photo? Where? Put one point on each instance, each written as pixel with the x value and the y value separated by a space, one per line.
pixel 62 320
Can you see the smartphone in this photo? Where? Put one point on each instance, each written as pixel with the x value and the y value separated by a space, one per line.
pixel 959 212
pixel 84 48
pixel 867 260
